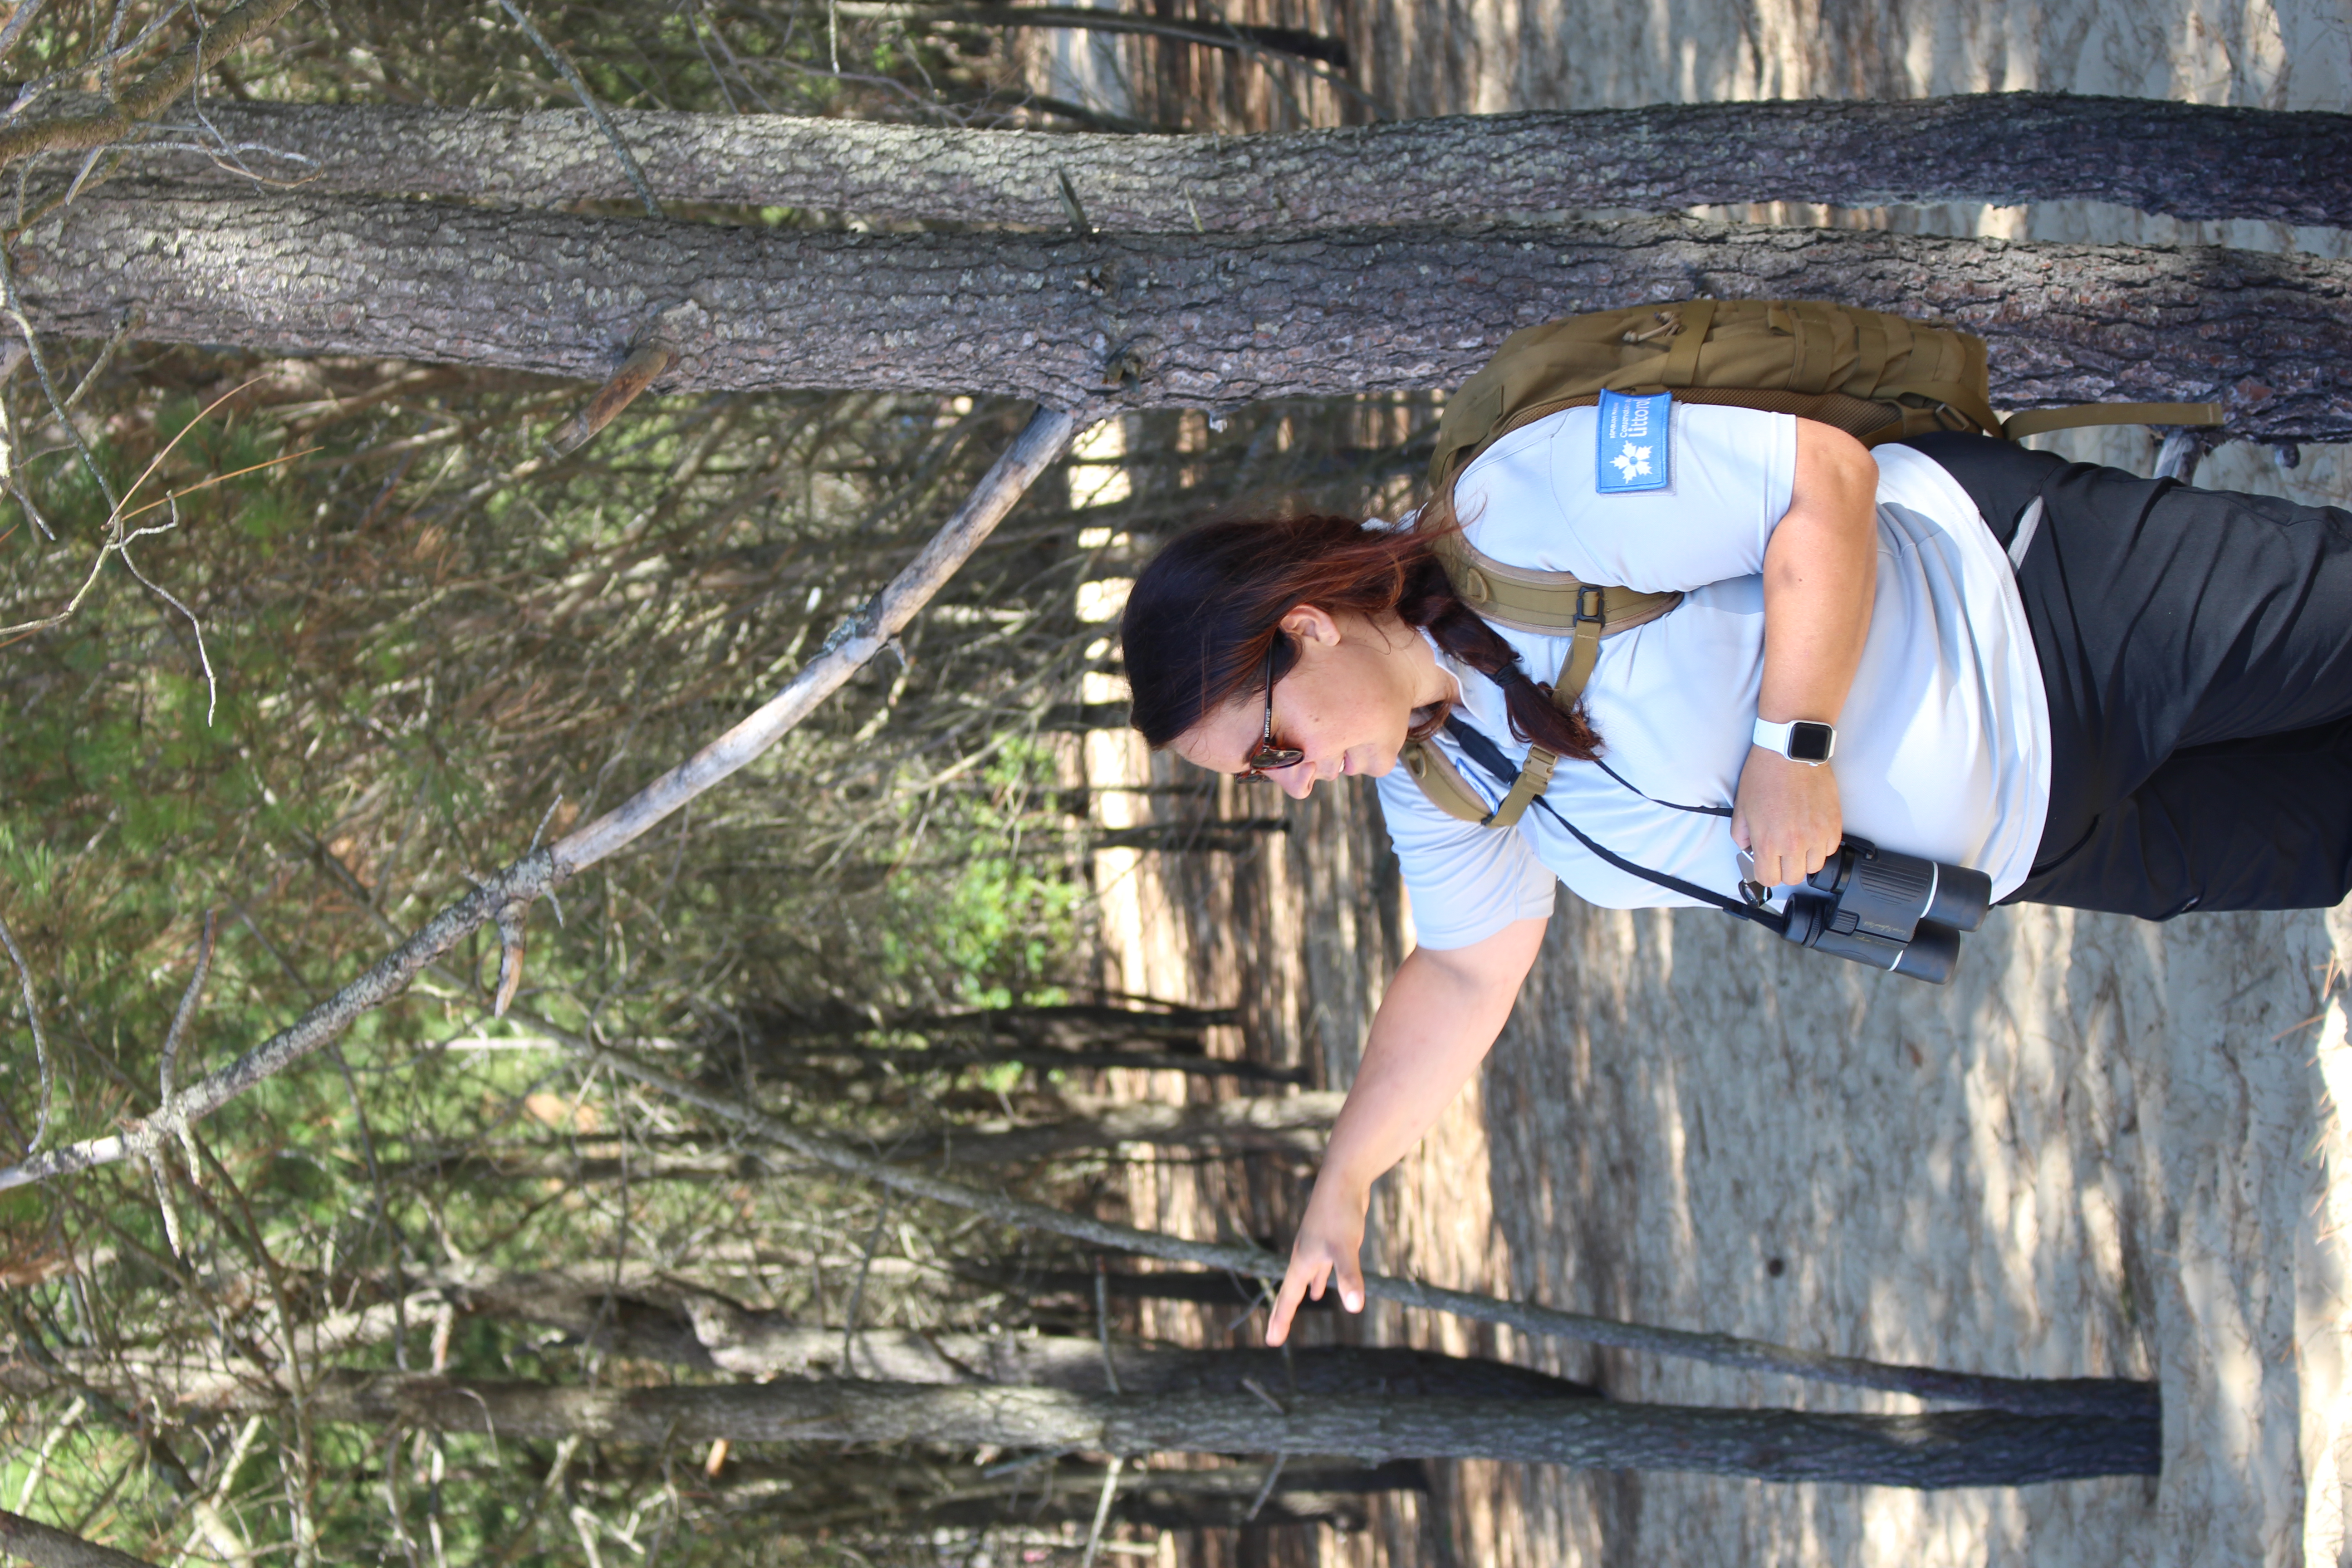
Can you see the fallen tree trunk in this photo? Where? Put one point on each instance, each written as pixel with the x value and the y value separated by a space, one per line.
pixel 662 1318
pixel 1153 321
pixel 1954 1448
pixel 862 1493
pixel 1306 1491
pixel 2188 160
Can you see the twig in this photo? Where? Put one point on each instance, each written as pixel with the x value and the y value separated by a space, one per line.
pixel 18 20
pixel 204 657
pixel 857 1292
pixel 1102 1325
pixel 150 94
pixel 1273 1474
pixel 48 387
pixel 58 1429
pixel 853 643
pixel 1102 1510
pixel 133 319
pixel 639 370
pixel 40 1041
pixel 588 101
pixel 171 1054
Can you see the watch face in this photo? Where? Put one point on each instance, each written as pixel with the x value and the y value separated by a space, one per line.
pixel 1809 742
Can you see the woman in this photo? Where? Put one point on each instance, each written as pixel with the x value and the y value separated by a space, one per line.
pixel 2104 691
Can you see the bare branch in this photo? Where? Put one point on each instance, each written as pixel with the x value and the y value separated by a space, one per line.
pixel 40 1041
pixel 1961 1447
pixel 1207 321
pixel 169 1066
pixel 148 96
pixel 638 372
pixel 45 1546
pixel 564 68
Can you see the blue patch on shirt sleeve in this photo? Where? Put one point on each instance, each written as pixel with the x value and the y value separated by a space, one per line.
pixel 1636 443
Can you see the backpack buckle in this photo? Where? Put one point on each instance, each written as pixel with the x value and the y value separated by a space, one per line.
pixel 1599 602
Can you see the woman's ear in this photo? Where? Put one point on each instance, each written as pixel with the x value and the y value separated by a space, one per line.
pixel 1311 625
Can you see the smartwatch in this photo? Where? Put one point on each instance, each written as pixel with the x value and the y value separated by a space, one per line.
pixel 1800 740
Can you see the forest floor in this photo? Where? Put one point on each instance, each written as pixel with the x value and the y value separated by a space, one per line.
pixel 2108 1149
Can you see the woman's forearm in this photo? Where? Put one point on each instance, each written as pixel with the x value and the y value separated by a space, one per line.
pixel 1437 1021
pixel 1820 575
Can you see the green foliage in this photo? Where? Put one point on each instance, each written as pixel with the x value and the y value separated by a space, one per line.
pixel 427 641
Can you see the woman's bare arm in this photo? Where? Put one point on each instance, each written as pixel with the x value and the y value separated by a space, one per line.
pixel 1436 1022
pixel 1820 571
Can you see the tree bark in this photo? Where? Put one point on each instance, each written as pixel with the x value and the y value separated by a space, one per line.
pixel 1967 1447
pixel 45 1546
pixel 663 1320
pixel 1306 1491
pixel 862 1491
pixel 1154 321
pixel 2191 160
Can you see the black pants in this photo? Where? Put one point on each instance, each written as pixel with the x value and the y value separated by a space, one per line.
pixel 2196 649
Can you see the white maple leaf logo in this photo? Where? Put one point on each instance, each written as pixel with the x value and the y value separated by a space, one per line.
pixel 1633 462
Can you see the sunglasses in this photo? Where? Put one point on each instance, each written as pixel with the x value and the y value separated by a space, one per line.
pixel 1269 756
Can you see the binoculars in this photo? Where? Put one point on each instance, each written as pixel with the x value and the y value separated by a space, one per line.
pixel 1892 911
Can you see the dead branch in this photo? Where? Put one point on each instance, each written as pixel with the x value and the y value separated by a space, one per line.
pixel 46 1546
pixel 150 94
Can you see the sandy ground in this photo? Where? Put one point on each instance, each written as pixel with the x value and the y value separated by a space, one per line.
pixel 2109 1148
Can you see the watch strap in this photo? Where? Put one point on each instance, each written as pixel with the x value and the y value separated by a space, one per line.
pixel 1778 737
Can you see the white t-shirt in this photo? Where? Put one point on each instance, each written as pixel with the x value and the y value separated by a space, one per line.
pixel 1943 746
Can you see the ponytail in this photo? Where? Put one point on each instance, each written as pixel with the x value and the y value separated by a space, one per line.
pixel 1431 603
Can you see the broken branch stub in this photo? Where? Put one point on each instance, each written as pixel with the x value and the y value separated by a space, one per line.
pixel 511 925
pixel 638 372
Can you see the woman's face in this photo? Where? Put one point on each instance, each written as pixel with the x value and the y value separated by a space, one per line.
pixel 1346 703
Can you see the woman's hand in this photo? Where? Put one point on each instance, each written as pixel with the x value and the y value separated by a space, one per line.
pixel 1331 1243
pixel 1786 816
pixel 1442 1010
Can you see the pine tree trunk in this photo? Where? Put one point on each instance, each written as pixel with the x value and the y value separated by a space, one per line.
pixel 661 1319
pixel 1152 320
pixel 1956 1449
pixel 2192 160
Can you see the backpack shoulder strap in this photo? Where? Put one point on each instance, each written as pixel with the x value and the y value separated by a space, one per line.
pixel 1443 784
pixel 1554 604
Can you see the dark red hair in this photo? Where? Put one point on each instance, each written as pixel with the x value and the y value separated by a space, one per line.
pixel 1206 610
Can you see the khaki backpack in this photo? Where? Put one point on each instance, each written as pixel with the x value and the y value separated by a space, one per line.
pixel 1876 376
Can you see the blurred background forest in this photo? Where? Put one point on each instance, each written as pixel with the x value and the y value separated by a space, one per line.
pixel 394 642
